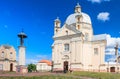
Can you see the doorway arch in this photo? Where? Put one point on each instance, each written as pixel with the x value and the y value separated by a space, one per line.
pixel 112 69
pixel 11 67
pixel 65 66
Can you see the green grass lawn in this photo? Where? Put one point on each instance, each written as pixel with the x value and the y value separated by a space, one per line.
pixel 74 75
pixel 98 75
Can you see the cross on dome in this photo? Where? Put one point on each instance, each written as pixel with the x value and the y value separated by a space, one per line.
pixel 78 5
pixel 57 19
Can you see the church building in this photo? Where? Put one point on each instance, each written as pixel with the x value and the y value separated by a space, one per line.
pixel 7 58
pixel 75 46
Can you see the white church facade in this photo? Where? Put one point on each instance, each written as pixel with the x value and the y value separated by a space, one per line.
pixel 75 46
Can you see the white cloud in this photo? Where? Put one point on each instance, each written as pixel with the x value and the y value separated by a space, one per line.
pixel 33 61
pixel 103 16
pixel 98 1
pixel 106 0
pixel 111 41
pixel 111 59
pixel 5 26
pixel 42 56
pixel 110 51
pixel 95 1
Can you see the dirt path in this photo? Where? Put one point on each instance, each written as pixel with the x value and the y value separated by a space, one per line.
pixel 28 74
pixel 41 74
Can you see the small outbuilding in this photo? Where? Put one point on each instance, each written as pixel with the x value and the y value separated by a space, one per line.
pixel 44 65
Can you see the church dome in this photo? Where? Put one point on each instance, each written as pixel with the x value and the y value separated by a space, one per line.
pixel 71 18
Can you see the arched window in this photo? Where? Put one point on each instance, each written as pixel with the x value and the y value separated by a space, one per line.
pixel 78 19
pixel 56 30
pixel 66 47
pixel 86 36
pixel 1 67
pixel 78 27
pixel 11 54
pixel 2 54
pixel 66 32
pixel 56 23
pixel 96 51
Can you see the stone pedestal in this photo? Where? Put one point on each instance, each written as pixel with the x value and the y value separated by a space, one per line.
pixel 21 69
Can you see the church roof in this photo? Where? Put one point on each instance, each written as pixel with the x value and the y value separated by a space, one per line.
pixel 49 63
pixel 72 18
pixel 72 27
pixel 7 46
pixel 99 37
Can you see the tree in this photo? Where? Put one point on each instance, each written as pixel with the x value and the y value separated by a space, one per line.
pixel 31 67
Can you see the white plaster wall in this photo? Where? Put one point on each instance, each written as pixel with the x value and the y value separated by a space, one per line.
pixel 43 67
pixel 21 55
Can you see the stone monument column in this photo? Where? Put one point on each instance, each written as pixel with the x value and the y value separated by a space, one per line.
pixel 21 68
pixel 21 55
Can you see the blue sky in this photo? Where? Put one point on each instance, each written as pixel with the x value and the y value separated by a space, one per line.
pixel 37 17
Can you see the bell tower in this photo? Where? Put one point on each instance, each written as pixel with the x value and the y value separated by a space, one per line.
pixel 57 25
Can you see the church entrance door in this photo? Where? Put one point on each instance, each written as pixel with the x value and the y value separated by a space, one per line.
pixel 112 69
pixel 11 67
pixel 65 66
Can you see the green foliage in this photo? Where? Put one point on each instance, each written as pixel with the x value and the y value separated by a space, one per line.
pixel 31 67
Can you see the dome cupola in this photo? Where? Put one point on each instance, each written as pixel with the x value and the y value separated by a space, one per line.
pixel 77 8
pixel 71 19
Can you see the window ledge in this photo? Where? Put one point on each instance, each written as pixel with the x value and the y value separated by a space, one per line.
pixel 65 52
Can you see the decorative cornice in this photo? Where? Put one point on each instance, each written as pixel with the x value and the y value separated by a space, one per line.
pixel 81 23
pixel 85 27
pixel 67 36
pixel 8 60
pixel 57 63
pixel 98 41
pixel 77 63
